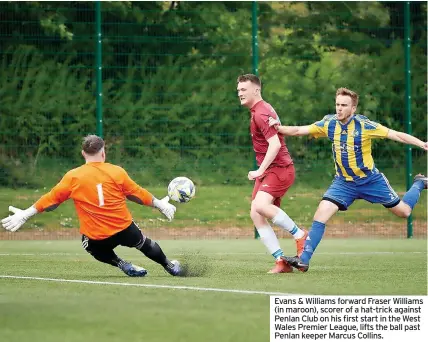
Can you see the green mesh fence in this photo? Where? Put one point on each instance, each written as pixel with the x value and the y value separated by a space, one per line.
pixel 169 104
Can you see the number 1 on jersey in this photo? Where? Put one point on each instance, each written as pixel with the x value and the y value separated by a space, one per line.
pixel 100 195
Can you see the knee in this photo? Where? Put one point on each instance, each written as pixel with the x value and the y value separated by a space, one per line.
pixel 146 245
pixel 150 247
pixel 254 214
pixel 404 213
pixel 320 216
pixel 325 211
pixel 257 209
pixel 402 210
pixel 257 215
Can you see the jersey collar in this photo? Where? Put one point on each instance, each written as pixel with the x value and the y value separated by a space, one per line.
pixel 344 125
pixel 253 108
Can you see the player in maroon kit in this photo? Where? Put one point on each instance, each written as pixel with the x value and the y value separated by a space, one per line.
pixel 274 176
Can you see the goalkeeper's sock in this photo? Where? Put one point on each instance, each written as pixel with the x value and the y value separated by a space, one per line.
pixel 312 241
pixel 121 263
pixel 153 251
pixel 411 197
pixel 173 267
pixel 285 222
pixel 109 257
pixel 269 239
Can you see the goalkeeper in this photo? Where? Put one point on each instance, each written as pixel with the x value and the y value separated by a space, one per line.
pixel 99 191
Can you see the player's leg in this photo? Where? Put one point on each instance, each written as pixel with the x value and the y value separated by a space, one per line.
pixel 378 190
pixel 401 209
pixel 339 196
pixel 153 251
pixel 102 250
pixel 275 185
pixel 267 235
pixel 326 209
pixel 133 237
pixel 270 240
pixel 263 206
pixel 405 207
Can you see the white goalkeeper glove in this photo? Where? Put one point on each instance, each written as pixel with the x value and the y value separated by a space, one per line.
pixel 14 222
pixel 165 207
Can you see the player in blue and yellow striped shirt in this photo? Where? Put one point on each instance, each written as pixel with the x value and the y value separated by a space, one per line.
pixel 351 144
pixel 356 174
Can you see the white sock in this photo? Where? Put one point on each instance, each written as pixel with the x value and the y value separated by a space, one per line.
pixel 269 239
pixel 285 222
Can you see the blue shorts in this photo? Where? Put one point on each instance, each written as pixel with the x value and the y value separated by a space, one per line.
pixel 374 189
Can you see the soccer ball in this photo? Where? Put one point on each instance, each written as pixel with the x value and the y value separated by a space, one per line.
pixel 181 189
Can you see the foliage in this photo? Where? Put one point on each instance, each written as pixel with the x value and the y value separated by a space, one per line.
pixel 169 71
pixel 46 101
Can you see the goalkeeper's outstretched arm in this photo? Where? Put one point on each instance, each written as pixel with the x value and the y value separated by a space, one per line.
pixel 137 194
pixel 48 202
pixel 19 217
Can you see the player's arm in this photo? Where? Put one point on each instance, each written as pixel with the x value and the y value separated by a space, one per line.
pixel 289 130
pixel 406 139
pixel 137 194
pixel 295 131
pixel 48 202
pixel 273 149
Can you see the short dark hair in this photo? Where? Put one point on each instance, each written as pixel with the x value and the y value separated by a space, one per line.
pixel 250 77
pixel 347 92
pixel 92 144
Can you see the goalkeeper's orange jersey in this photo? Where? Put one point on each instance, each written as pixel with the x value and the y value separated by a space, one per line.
pixel 99 192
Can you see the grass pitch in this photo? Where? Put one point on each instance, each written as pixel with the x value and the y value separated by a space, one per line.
pixel 228 206
pixel 55 291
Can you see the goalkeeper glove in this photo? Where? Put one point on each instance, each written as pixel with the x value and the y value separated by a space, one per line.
pixel 14 222
pixel 165 207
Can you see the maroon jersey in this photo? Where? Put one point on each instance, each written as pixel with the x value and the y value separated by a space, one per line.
pixel 261 132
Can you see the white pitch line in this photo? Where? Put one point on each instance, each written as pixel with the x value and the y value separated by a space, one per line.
pixel 91 282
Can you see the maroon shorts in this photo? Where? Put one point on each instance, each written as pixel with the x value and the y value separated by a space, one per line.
pixel 275 181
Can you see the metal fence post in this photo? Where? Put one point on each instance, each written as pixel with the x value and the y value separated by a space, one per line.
pixel 255 46
pixel 408 104
pixel 98 69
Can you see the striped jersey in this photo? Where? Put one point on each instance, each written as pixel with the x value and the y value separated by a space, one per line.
pixel 99 191
pixel 351 144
